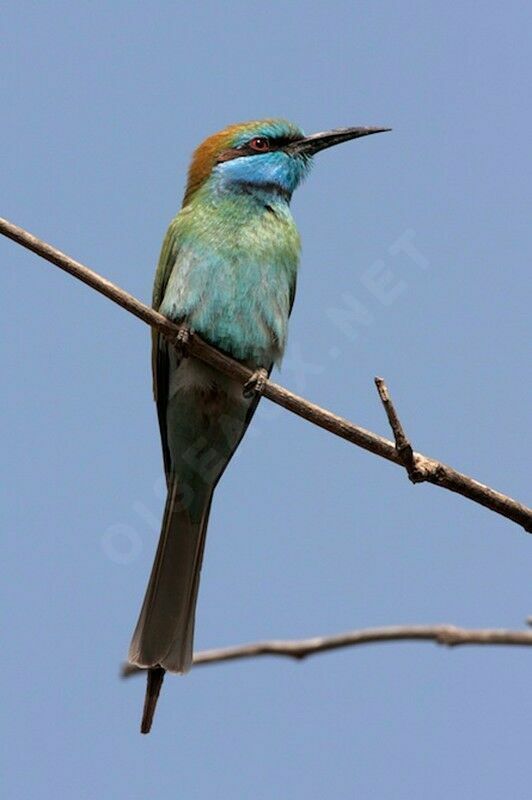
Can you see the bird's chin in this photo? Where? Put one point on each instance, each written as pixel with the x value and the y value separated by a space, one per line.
pixel 277 173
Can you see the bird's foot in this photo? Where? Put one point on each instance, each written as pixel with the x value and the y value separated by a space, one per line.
pixel 182 341
pixel 255 385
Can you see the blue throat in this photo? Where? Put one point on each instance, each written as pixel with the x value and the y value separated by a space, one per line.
pixel 276 174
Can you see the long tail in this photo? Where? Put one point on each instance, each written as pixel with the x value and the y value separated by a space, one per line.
pixel 153 687
pixel 163 637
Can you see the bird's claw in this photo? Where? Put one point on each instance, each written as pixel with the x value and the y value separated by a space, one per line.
pixel 182 340
pixel 255 385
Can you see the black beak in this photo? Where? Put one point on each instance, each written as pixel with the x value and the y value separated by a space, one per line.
pixel 310 145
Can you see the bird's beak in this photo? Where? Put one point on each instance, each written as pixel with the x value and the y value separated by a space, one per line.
pixel 310 145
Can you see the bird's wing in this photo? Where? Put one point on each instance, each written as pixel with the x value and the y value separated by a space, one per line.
pixel 162 274
pixel 292 297
pixel 160 357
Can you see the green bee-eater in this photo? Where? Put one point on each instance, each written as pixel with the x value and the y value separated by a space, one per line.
pixel 227 270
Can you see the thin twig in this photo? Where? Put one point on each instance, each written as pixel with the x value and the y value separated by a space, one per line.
pixel 402 445
pixel 448 635
pixel 429 469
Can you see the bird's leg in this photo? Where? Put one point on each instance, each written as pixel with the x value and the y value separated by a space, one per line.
pixel 256 384
pixel 182 341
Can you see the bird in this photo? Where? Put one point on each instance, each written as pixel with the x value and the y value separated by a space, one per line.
pixel 227 272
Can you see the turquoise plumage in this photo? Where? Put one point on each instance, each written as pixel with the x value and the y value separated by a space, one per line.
pixel 227 270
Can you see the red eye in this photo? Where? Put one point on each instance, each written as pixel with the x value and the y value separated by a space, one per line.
pixel 260 144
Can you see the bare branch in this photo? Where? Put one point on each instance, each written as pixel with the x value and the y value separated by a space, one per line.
pixel 448 635
pixel 426 469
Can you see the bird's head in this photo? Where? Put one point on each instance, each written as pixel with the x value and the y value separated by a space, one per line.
pixel 270 154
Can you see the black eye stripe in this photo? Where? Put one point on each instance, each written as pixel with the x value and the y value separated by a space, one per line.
pixel 275 142
pixel 245 149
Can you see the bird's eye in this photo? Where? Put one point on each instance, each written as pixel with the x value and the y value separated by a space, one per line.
pixel 260 144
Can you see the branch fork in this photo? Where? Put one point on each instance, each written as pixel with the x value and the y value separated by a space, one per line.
pixel 403 448
pixel 419 467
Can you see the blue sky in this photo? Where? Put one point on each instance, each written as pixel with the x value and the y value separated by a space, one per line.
pixel 103 104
